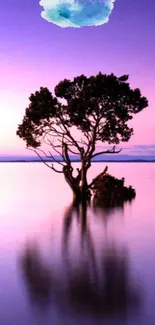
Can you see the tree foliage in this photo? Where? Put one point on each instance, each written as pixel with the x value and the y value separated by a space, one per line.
pixel 110 191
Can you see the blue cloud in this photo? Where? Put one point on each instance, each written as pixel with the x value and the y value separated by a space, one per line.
pixel 77 13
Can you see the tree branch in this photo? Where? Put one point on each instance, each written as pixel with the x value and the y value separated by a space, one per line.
pixel 91 145
pixel 69 134
pixel 95 179
pixel 51 156
pixel 66 155
pixel 56 150
pixel 113 151
pixel 78 177
pixel 57 171
pixel 75 153
pixel 51 167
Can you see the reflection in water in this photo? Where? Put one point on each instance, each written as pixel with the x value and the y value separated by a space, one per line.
pixel 108 294
pixel 110 211
pixel 98 283
pixel 37 275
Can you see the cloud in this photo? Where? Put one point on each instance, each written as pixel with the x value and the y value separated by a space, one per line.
pixel 77 13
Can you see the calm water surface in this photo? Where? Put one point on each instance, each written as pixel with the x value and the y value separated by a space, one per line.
pixel 61 266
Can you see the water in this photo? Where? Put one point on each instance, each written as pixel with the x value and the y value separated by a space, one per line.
pixel 57 267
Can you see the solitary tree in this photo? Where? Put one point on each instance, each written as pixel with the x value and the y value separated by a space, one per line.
pixel 83 113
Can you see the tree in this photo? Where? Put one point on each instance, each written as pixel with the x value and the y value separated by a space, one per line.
pixel 98 108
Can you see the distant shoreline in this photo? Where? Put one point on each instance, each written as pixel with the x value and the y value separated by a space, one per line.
pixel 77 161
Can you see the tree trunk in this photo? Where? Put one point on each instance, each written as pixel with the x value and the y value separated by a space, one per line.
pixel 85 192
pixel 80 194
pixel 78 185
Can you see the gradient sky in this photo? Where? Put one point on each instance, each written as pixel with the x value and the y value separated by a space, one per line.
pixel 35 53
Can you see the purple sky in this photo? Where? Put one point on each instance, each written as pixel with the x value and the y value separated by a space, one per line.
pixel 35 53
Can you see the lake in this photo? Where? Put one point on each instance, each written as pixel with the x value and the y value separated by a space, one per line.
pixel 63 266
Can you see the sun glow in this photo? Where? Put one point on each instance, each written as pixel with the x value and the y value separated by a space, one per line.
pixel 11 112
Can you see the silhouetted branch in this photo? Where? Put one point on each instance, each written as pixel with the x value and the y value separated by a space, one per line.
pixel 68 133
pixel 67 158
pixel 35 151
pixel 57 161
pixel 94 180
pixel 51 156
pixel 75 153
pixel 57 171
pixel 112 151
pixel 78 177
pixel 92 143
pixel 41 158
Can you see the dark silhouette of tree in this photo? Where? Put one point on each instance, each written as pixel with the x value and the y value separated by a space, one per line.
pixel 110 191
pixel 98 107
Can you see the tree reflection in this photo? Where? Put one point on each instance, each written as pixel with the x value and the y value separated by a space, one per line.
pixel 103 285
pixel 37 276
pixel 97 283
pixel 110 293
